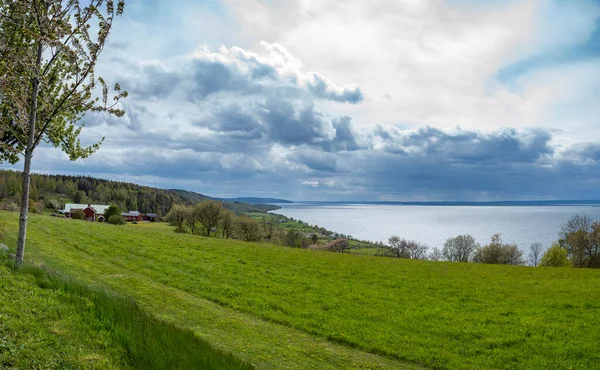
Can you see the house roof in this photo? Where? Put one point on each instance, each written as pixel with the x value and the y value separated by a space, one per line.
pixel 130 214
pixel 99 208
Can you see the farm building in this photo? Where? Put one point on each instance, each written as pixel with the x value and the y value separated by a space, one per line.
pixel 93 212
pixel 132 216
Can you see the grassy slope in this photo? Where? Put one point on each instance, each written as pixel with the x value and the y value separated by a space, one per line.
pixel 43 329
pixel 436 314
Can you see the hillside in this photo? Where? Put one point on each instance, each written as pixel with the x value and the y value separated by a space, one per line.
pixel 53 191
pixel 280 307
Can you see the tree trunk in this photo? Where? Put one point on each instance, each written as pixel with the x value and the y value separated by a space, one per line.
pixel 27 166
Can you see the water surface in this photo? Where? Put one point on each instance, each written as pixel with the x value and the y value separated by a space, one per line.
pixel 432 225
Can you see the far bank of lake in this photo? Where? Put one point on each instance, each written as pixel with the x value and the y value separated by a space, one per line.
pixel 433 224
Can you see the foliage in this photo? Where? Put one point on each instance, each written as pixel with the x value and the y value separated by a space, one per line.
pixel 292 303
pixel 460 249
pixel 227 220
pixel 116 220
pixel 338 245
pixel 209 214
pixel 499 253
pixel 112 211
pixel 248 229
pixel 555 256
pixel 78 215
pixel 178 216
pixel 70 189
pixel 294 238
pixel 72 325
pixel 49 50
pixel 581 238
pixel 2 229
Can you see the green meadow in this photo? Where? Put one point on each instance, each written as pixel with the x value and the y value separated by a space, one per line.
pixel 281 308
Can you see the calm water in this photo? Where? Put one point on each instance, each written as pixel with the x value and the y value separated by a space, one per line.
pixel 432 225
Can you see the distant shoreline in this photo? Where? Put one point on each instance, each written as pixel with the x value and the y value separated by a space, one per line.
pixel 456 203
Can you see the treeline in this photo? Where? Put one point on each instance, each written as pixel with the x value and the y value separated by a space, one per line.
pixel 210 218
pixel 53 191
pixel 578 246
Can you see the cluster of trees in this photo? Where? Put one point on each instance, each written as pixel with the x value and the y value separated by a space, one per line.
pixel 210 218
pixel 462 248
pixel 53 191
pixel 578 246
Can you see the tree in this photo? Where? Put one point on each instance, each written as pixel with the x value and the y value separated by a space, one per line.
pixel 248 229
pixel 400 247
pixel 227 220
pixel 192 218
pixel 209 214
pixel 555 256
pixel 177 217
pixel 112 211
pixel 499 253
pixel 460 249
pixel 536 250
pixel 116 220
pixel 78 215
pixel 436 254
pixel 47 81
pixel 581 239
pixel 268 225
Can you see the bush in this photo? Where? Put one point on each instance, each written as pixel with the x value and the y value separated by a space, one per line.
pixel 116 220
pixel 338 245
pixel 555 256
pixel 12 207
pixel 111 211
pixel 79 215
pixel 498 253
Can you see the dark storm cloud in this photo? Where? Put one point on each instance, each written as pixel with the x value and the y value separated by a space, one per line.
pixel 468 147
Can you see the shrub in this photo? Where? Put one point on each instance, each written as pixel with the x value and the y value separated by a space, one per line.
pixel 555 256
pixel 111 211
pixel 498 253
pixel 116 220
pixel 293 238
pixel 12 207
pixel 79 215
pixel 338 245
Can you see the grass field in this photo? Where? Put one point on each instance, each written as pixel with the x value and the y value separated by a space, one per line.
pixel 278 307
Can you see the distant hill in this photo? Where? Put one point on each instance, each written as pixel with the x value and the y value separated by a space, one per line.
pixel 56 190
pixel 254 200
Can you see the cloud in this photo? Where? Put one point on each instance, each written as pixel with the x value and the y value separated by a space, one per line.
pixel 361 100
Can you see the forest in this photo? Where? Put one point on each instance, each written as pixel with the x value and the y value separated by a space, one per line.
pixel 51 192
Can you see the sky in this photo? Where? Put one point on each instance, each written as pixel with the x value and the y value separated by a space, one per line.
pixel 393 100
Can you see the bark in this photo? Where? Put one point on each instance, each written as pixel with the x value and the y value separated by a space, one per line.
pixel 27 165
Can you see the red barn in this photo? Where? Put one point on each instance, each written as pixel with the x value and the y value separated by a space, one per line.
pixel 93 212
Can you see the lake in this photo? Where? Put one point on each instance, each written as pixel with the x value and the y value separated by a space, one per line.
pixel 432 225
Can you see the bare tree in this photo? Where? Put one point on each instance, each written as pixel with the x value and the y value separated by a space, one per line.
pixel 436 254
pixel 460 249
pixel 403 248
pixel 536 251
pixel 48 55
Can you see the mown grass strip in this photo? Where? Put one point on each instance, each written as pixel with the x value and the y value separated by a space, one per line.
pixel 148 343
